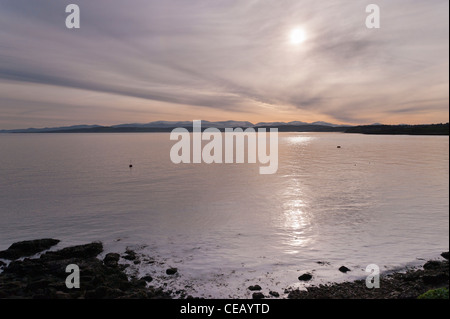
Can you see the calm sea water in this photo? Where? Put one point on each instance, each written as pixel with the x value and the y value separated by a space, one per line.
pixel 378 200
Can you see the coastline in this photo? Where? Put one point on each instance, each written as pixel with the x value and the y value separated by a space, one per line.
pixel 44 277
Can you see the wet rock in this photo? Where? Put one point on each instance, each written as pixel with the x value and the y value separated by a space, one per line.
pixel 294 294
pixel 445 255
pixel 147 278
pixel 255 288
pixel 344 269
pixel 111 260
pixel 171 271
pixel 432 264
pixel 27 248
pixel 258 295
pixel 274 294
pixel 82 251
pixel 123 266
pixel 129 255
pixel 139 283
pixel 305 277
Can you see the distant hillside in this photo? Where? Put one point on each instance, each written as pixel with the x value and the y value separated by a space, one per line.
pixel 168 126
pixel 306 128
pixel 296 126
pixel 431 129
pixel 142 129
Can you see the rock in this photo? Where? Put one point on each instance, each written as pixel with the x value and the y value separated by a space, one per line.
pixel 44 277
pixel 274 294
pixel 258 295
pixel 435 279
pixel 432 264
pixel 147 278
pixel 254 288
pixel 129 255
pixel 305 277
pixel 171 271
pixel 445 255
pixel 344 269
pixel 294 294
pixel 111 260
pixel 139 283
pixel 81 251
pixel 27 248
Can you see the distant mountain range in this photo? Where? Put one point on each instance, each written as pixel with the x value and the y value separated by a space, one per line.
pixel 163 125
pixel 295 126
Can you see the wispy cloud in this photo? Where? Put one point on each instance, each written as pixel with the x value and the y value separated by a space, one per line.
pixel 226 57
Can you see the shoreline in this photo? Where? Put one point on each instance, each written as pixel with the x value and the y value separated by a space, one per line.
pixel 45 277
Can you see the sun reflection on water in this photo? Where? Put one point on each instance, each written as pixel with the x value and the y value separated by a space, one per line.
pixel 296 221
pixel 300 139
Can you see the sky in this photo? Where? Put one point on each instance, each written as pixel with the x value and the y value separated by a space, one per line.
pixel 138 61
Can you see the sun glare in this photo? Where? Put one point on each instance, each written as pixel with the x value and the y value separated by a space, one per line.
pixel 298 36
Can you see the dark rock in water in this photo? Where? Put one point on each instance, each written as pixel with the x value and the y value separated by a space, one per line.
pixel 274 294
pixel 147 278
pixel 81 251
pixel 344 269
pixel 305 277
pixel 258 295
pixel 27 248
pixel 432 264
pixel 111 260
pixel 129 255
pixel 445 255
pixel 255 288
pixel 171 271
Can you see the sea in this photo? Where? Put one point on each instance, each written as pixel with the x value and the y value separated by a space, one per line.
pixel 375 200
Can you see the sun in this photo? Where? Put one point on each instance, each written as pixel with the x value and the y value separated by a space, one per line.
pixel 298 36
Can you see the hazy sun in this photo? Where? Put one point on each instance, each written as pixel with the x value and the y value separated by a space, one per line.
pixel 298 36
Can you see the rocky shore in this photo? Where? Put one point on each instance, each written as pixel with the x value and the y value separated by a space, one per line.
pixel 44 277
pixel 410 284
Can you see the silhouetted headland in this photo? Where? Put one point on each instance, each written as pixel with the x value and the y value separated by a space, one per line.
pixel 431 129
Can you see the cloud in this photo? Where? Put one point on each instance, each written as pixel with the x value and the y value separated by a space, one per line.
pixel 232 56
